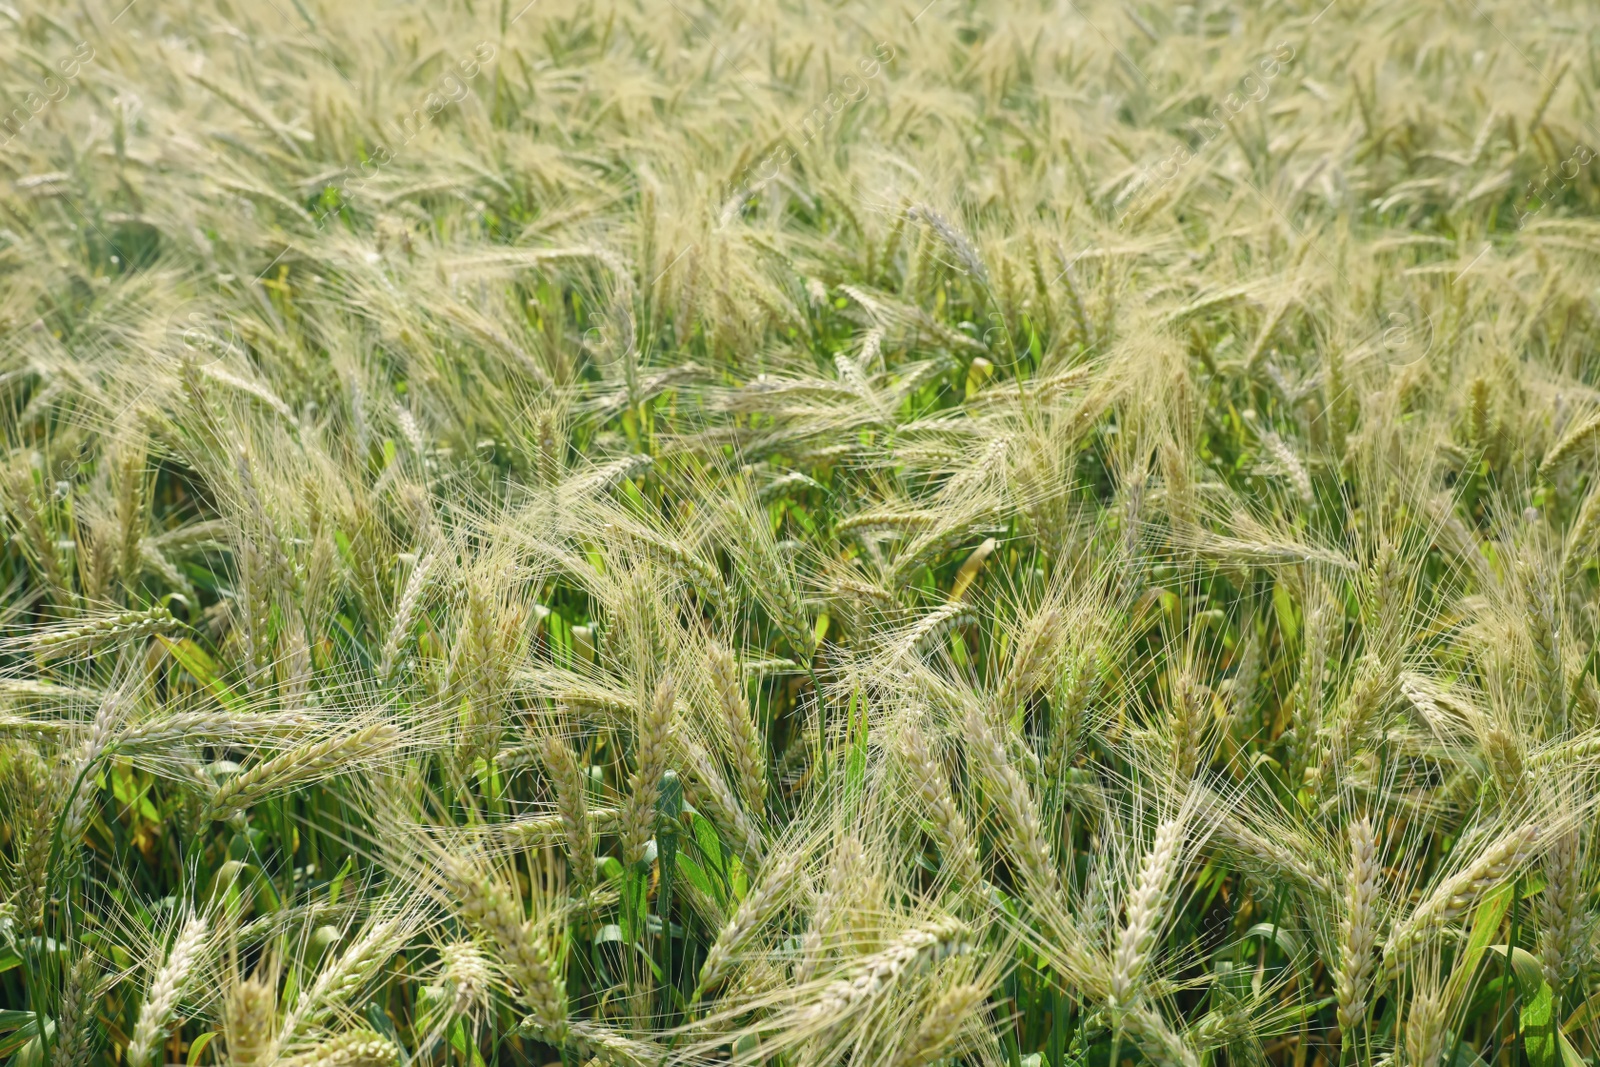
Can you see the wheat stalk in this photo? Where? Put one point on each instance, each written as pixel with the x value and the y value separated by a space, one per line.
pixel 215 727
pixel 89 633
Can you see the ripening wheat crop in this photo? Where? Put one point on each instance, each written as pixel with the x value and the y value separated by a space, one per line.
pixel 799 533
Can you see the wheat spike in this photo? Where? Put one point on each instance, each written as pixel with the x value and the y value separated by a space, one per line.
pixel 1146 910
pixel 1562 911
pixel 75 1024
pixel 1425 1030
pixel 649 764
pixel 1456 894
pixel 304 764
pixel 753 910
pixel 876 974
pixel 941 1025
pixel 166 989
pixel 749 750
pixel 950 828
pixel 486 907
pixel 572 803
pixel 1358 929
pixel 358 1048
pixel 249 1022
pixel 1019 814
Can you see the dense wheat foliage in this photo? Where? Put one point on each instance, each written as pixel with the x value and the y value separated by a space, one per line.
pixel 1016 534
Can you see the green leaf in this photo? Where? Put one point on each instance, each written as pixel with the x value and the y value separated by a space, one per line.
pixel 461 1041
pixel 338 880
pixel 30 1055
pixel 1283 605
pixel 23 1032
pixel 745 1049
pixel 1582 1014
pixel 1536 1020
pixel 669 801
pixel 379 1020
pixel 1286 940
pixel 197 1047
pixel 1485 925
pixel 192 658
pixel 715 866
pixel 695 875
pixel 458 1038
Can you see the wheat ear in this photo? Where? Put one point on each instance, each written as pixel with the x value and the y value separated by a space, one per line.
pixel 1358 930
pixel 339 980
pixel 950 829
pixel 467 975
pixel 649 763
pixel 404 615
pixel 358 1048
pixel 849 859
pixel 1570 442
pixel 489 909
pixel 941 1025
pixel 1562 912
pixel 248 1023
pixel 1146 909
pixel 1019 815
pixel 75 1023
pixel 752 912
pixel 572 805
pixel 872 976
pixel 1457 894
pixel 305 764
pixel 749 750
pixel 166 989
pixel 1425 1030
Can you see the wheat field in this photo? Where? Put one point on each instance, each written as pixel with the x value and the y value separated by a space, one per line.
pixel 795 533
